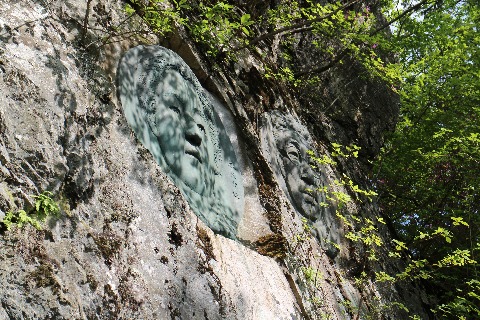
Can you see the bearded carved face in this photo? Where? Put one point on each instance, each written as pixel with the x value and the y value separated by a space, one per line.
pixel 180 126
pixel 175 120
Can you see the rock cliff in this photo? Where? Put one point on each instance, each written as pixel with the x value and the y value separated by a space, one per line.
pixel 128 242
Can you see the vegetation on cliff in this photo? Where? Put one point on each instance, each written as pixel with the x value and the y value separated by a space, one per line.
pixel 427 175
pixel 428 51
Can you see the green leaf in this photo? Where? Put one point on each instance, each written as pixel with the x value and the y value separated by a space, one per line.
pixel 129 10
pixel 245 19
pixel 459 220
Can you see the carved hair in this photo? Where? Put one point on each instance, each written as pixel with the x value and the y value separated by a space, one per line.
pixel 285 127
pixel 285 122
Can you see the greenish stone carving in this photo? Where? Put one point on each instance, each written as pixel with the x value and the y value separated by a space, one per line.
pixel 174 119
pixel 285 142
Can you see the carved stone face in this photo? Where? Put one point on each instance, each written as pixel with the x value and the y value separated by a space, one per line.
pixel 299 177
pixel 286 143
pixel 181 130
pixel 174 119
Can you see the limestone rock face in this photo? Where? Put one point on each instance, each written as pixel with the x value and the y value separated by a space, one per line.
pixel 126 243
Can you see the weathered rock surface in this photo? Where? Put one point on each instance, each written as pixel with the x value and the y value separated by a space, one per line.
pixel 126 244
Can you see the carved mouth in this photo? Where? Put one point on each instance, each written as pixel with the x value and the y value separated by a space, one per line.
pixel 309 198
pixel 194 153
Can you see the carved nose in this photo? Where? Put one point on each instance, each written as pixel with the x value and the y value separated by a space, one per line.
pixel 193 135
pixel 307 175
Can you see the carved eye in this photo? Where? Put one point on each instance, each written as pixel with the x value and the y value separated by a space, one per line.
pixel 175 109
pixel 202 128
pixel 293 153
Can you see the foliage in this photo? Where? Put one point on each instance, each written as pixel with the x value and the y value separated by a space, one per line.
pixel 368 235
pixel 333 30
pixel 463 303
pixel 19 218
pixel 362 229
pixel 428 177
pixel 312 275
pixel 217 27
pixel 44 206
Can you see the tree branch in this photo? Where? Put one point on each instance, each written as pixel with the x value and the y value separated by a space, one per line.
pixel 296 26
pixel 343 53
pixel 323 68
pixel 85 20
pixel 403 14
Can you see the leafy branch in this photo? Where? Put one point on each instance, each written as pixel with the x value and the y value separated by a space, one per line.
pixel 298 27
pixel 44 207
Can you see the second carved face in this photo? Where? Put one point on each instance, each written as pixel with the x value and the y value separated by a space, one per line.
pixel 301 180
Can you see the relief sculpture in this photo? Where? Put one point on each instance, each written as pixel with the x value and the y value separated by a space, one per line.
pixel 285 143
pixel 174 119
